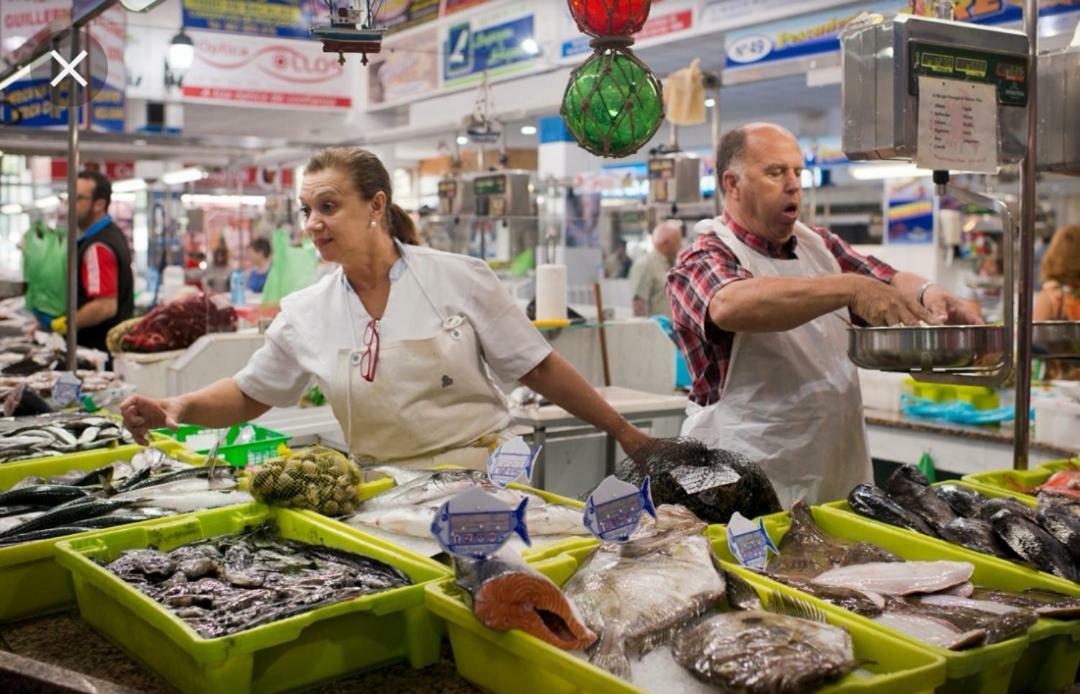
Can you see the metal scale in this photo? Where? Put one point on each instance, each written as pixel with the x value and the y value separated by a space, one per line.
pixel 881 64
pixel 505 207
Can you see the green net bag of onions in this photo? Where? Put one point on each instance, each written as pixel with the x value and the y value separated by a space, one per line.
pixel 315 478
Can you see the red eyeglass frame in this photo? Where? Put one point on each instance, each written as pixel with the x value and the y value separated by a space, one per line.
pixel 369 360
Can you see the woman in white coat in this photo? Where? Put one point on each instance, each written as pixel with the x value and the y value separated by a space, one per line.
pixel 403 340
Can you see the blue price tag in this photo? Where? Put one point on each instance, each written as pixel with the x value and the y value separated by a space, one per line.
pixel 67 389
pixel 475 524
pixel 749 543
pixel 511 461
pixel 613 510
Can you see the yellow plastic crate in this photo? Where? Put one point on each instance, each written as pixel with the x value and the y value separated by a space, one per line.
pixel 31 582
pixel 1012 481
pixel 317 646
pixel 514 662
pixel 1043 660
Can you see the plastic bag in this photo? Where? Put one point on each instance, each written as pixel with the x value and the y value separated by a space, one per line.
pixel 315 478
pixel 45 270
pixel 684 95
pixel 293 267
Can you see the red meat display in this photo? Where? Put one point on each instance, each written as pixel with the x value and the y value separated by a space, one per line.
pixel 177 324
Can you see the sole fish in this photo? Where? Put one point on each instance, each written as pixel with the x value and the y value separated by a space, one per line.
pixel 904 578
pixel 997 627
pixel 805 551
pixel 762 652
pixel 934 631
pixel 505 594
pixel 1045 603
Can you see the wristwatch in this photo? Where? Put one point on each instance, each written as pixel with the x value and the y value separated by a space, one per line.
pixel 922 291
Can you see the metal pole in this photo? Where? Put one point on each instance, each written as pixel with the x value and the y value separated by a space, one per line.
pixel 715 133
pixel 73 223
pixel 1022 421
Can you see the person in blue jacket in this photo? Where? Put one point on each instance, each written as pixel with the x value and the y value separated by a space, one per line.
pixel 259 255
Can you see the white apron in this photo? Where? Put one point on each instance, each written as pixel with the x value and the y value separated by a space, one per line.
pixel 431 401
pixel 791 401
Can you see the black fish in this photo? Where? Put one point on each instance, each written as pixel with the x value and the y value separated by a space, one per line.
pixel 42 495
pixel 867 500
pixel 1034 544
pixel 964 501
pixel 992 506
pixel 975 534
pixel 713 484
pixel 1061 522
pixel 909 488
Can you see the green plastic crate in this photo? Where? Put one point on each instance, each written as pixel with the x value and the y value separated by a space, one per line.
pixel 515 662
pixel 1013 480
pixel 1045 659
pixel 261 448
pixel 31 582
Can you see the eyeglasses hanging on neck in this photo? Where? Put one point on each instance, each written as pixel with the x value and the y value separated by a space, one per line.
pixel 369 359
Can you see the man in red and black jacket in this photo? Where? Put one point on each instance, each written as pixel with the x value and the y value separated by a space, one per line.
pixel 106 294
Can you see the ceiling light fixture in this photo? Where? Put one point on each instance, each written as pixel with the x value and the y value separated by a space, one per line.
pixel 877 172
pixel 11 208
pixel 183 176
pixel 710 102
pixel 528 130
pixel 530 46
pixel 462 140
pixel 47 202
pixel 129 185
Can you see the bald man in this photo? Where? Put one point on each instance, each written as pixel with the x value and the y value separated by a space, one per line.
pixel 648 274
pixel 761 306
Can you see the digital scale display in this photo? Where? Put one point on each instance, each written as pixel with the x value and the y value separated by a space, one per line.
pixel 1007 72
pixel 489 185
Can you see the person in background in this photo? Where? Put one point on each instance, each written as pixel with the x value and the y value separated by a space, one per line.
pixel 648 274
pixel 106 292
pixel 1059 296
pixel 617 264
pixel 762 304
pixel 259 256
pixel 217 274
pixel 404 341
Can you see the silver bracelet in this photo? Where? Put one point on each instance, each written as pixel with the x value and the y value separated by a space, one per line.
pixel 922 292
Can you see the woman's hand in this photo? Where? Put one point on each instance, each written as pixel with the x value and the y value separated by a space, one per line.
pixel 141 414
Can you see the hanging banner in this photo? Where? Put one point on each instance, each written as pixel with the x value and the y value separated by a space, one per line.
pixel 471 48
pixel 399 15
pixel 407 67
pixel 909 211
pixel 107 105
pixel 818 33
pixel 255 71
pixel 290 19
pixel 734 13
pixel 452 6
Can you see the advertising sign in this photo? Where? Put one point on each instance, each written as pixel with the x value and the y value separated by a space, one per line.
pixel 399 15
pixel 281 18
pixel 255 71
pixel 406 68
pixel 909 211
pixel 452 6
pixel 469 50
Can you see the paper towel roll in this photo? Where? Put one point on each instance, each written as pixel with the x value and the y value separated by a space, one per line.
pixel 550 292
pixel 950 227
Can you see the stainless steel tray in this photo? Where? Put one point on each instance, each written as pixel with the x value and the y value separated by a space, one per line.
pixel 1056 339
pixel 963 348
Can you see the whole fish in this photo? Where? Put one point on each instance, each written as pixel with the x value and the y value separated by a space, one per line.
pixel 41 495
pixel 1045 603
pixel 505 593
pixel 1062 483
pixel 867 500
pixel 1031 542
pixel 763 652
pixel 997 627
pixel 634 596
pixel 857 601
pixel 1061 522
pixel 975 534
pixel 436 484
pixel 932 630
pixel 964 501
pixel 42 534
pixel 943 600
pixel 68 515
pixel 904 578
pixel 993 506
pixel 909 488
pixel 805 551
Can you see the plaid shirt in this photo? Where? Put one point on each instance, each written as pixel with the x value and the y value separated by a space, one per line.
pixel 707 266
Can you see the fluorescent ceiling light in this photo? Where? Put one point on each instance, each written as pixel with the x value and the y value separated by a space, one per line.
pixel 710 102
pixel 528 130
pixel 47 202
pixel 877 172
pixel 201 199
pixel 11 208
pixel 129 185
pixel 462 140
pixel 530 46
pixel 183 176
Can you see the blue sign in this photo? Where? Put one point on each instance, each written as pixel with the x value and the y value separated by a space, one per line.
pixel 281 18
pixel 575 46
pixel 469 51
pixel 35 104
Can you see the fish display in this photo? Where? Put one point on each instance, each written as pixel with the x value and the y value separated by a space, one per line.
pixel 898 578
pixel 634 596
pixel 151 485
pixel 972 624
pixel 403 514
pixel 1045 603
pixel 1046 538
pixel 711 483
pixel 224 585
pixel 1063 483
pixel 505 593
pixel 763 652
pixel 806 552
pixel 57 434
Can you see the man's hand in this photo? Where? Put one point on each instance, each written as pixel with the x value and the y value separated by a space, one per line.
pixel 949 308
pixel 59 325
pixel 879 304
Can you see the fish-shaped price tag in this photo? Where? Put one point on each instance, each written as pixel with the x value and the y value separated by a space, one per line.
pixel 748 541
pixel 67 389
pixel 476 524
pixel 613 510
pixel 510 461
